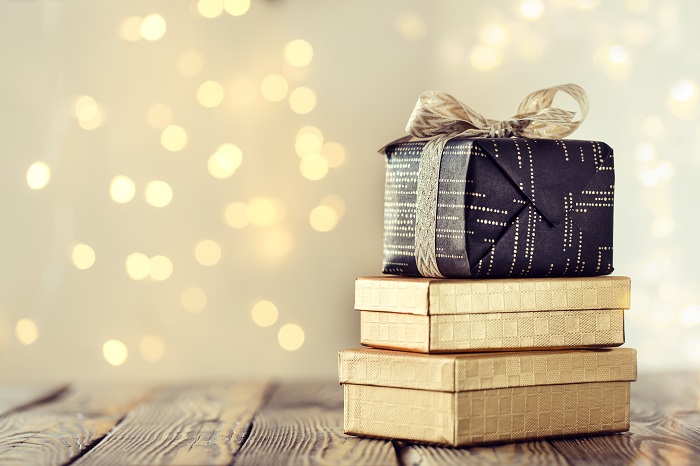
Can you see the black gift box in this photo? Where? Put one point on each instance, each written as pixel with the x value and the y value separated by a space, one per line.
pixel 508 207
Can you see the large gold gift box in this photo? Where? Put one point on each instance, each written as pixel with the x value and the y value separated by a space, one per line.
pixel 470 399
pixel 460 315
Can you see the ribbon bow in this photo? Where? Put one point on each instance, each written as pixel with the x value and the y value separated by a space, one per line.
pixel 440 114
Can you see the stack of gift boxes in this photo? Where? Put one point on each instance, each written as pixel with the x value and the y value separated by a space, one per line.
pixel 506 328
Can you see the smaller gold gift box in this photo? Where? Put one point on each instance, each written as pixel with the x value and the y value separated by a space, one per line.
pixel 477 398
pixel 462 315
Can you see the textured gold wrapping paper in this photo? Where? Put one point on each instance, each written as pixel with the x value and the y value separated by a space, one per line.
pixel 427 296
pixel 470 399
pixel 494 331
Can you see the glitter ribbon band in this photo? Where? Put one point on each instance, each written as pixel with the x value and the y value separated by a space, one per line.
pixel 439 117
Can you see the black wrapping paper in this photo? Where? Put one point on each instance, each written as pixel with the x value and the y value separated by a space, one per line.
pixel 506 208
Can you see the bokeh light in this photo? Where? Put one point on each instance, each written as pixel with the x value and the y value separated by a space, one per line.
pixel 236 7
pixel 302 100
pixel 290 337
pixel 153 27
pixel 494 34
pixel 225 161
pixel 236 215
pixel 273 245
pixel 334 153
pixel 274 87
pixel 158 193
pixel 83 256
pixel 122 189
pixel 298 52
pixel 266 211
pixel 314 167
pixel 130 29
pixel 691 315
pixel 210 94
pixel 264 313
pixel 323 218
pixel 663 226
pixel 335 202
pixel 173 138
pixel 614 61
pixel 653 126
pixel 115 352
pixel 207 252
pixel 645 152
pixel 26 331
pixel 210 8
pixel 190 63
pixel 531 9
pixel 138 266
pixel 161 268
pixel 411 26
pixel 152 348
pixel 159 116
pixel 88 113
pixel 587 5
pixel 193 300
pixel 485 57
pixel 38 175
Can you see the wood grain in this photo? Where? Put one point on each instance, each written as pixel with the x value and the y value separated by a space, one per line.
pixel 63 427
pixel 202 423
pixel 303 424
pixel 18 396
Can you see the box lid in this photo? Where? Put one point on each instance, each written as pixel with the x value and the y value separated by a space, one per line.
pixel 431 296
pixel 481 371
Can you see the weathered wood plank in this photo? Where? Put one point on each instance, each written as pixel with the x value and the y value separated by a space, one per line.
pixel 523 453
pixel 65 426
pixel 17 396
pixel 189 424
pixel 303 424
pixel 665 427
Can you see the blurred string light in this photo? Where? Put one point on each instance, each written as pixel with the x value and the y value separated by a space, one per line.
pixel 327 214
pixel 158 193
pixel 152 348
pixel 302 100
pixel 26 331
pixel 314 167
pixel 173 138
pixel 210 8
pixel 161 268
pixel 264 313
pixel 38 175
pixel 159 115
pixel 266 211
pixel 83 256
pixel 531 10
pixel 274 87
pixel 494 34
pixel 411 26
pixel 189 63
pixel 138 266
pixel 243 91
pixel 653 126
pixel 225 161
pixel 309 141
pixel 122 189
pixel 298 52
pixel 236 7
pixel 210 94
pixel 637 32
pixel 236 215
pixel 334 153
pixel 153 27
pixel 290 337
pixel 207 252
pixel 663 226
pixel 115 352
pixel 130 29
pixel 692 349
pixel 193 300
pixel 88 113
pixel 683 98
pixel 485 57
pixel 614 61
pixel 645 152
pixel 273 245
pixel 690 316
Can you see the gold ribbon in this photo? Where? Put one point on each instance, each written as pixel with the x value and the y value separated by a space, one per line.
pixel 437 113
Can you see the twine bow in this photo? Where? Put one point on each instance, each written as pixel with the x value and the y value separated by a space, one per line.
pixel 437 114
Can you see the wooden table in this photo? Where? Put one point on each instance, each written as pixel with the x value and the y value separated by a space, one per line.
pixel 241 423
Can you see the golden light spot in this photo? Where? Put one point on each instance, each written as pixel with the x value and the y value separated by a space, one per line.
pixel 692 350
pixel 273 245
pixel 26 331
pixel 334 153
pixel 485 57
pixel 274 87
pixel 494 34
pixel 207 252
pixel 531 47
pixel 243 91
pixel 115 352
pixel 237 215
pixel 264 313
pixel 323 218
pixel 308 144
pixel 159 116
pixel 637 6
pixel 645 152
pixel 265 211
pixel 122 189
pixel 158 193
pixel 637 32
pixel 664 170
pixel 161 268
pixel 335 202
pixel 587 5
pixel 236 7
pixel 411 26
pixel 88 113
pixel 225 161
pixel 194 300
pixel 290 337
pixel 310 130
pixel 302 100
pixel 152 348
pixel 189 63
pixel 663 226
pixel 653 126
pixel 298 52
pixel 531 10
pixel 210 8
pixel 173 138
pixel 152 27
pixel 210 94
pixel 691 315
pixel 83 256
pixel 614 61
pixel 314 168
pixel 130 29
pixel 684 91
pixel 648 178
pixel 138 266
pixel 38 175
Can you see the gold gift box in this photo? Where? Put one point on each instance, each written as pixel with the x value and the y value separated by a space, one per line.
pixel 447 315
pixel 471 399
